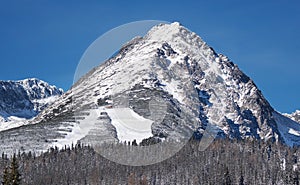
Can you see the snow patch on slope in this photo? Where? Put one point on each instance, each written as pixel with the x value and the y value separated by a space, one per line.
pixel 12 122
pixel 79 130
pixel 294 132
pixel 129 125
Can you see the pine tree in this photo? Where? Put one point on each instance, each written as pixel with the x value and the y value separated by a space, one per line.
pixel 6 178
pixel 241 181
pixel 143 180
pixel 132 179
pixel 15 176
pixel 296 180
pixel 227 179
pixel 134 143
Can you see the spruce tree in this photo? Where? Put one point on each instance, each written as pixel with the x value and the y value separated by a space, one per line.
pixel 15 176
pixel 296 180
pixel 227 179
pixel 132 179
pixel 6 177
pixel 241 181
pixel 134 143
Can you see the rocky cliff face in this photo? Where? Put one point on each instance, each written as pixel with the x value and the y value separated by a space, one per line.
pixel 172 78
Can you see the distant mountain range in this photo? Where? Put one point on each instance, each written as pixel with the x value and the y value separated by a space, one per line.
pixel 169 83
pixel 22 100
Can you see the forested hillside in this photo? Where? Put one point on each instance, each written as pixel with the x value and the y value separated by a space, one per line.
pixel 224 162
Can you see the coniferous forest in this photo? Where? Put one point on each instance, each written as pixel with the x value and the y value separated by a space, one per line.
pixel 224 162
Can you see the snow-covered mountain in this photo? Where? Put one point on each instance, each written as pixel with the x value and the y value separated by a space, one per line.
pixel 169 84
pixel 294 116
pixel 22 100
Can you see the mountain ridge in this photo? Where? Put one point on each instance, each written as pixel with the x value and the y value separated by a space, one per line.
pixel 294 115
pixel 192 85
pixel 22 100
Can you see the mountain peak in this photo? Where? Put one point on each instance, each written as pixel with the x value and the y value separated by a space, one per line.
pixel 172 33
pixel 170 69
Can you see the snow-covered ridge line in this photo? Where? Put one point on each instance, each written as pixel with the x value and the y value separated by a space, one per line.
pixel 294 116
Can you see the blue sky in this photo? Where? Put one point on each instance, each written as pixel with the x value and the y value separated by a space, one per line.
pixel 46 39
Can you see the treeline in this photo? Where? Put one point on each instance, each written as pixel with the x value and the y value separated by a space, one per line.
pixel 224 162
